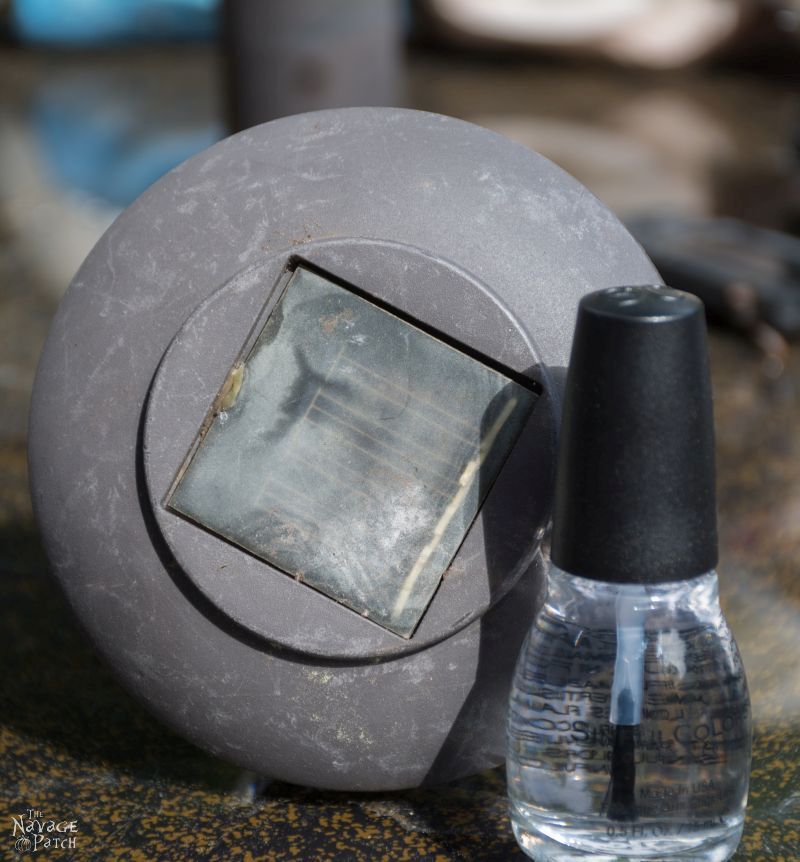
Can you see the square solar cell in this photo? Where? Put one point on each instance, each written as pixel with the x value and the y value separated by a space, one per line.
pixel 356 452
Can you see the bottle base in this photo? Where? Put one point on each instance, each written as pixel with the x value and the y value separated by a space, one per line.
pixel 558 841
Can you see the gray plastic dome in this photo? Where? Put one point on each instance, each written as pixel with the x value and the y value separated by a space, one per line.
pixel 293 435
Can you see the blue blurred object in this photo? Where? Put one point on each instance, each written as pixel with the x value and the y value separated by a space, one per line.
pixel 81 23
pixel 111 139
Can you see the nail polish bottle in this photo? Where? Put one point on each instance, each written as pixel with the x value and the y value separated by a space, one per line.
pixel 629 722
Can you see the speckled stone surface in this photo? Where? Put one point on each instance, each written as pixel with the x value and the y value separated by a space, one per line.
pixel 73 744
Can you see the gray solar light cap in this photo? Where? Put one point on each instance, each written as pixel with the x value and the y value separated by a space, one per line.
pixel 455 231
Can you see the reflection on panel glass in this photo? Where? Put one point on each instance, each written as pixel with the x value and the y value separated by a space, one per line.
pixel 353 451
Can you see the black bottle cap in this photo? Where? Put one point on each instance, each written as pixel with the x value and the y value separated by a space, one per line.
pixel 635 498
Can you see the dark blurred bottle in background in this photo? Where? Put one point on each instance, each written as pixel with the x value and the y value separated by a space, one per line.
pixel 292 56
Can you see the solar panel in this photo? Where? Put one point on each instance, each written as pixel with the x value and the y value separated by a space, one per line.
pixel 352 450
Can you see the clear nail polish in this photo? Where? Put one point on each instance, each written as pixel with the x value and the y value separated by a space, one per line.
pixel 629 722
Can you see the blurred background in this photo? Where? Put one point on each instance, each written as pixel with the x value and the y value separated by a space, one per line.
pixel 683 116
pixel 669 110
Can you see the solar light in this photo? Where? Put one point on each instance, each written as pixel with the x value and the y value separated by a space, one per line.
pixel 293 436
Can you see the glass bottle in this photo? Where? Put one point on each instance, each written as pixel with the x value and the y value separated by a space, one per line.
pixel 636 752
pixel 629 722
